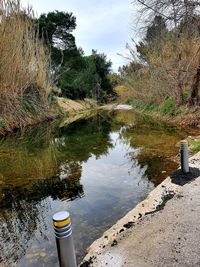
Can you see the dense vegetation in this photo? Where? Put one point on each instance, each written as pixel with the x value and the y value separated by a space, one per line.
pixel 164 66
pixel 76 75
pixel 39 60
pixel 24 81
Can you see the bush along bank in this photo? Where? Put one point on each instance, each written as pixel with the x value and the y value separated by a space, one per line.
pixel 169 112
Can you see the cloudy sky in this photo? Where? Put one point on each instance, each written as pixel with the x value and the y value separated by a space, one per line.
pixel 104 25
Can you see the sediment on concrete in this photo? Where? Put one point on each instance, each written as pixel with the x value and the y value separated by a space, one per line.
pixel 159 231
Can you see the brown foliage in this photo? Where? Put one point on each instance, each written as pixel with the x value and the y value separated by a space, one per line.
pixel 160 81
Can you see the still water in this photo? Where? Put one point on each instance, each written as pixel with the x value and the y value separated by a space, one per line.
pixel 97 168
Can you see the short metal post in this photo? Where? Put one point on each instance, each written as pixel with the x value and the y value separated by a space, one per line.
pixel 64 240
pixel 184 156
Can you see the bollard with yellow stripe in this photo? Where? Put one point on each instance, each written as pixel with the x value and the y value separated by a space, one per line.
pixel 64 240
pixel 61 219
pixel 184 142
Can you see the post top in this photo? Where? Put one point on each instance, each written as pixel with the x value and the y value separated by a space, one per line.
pixel 184 142
pixel 61 216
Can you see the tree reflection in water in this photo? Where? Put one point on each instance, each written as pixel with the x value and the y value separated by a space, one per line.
pixel 26 165
pixel 44 167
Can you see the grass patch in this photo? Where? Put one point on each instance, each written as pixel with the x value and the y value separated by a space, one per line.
pixel 151 107
pixel 195 145
pixel 169 107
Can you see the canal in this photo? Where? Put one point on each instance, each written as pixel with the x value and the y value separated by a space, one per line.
pixel 97 168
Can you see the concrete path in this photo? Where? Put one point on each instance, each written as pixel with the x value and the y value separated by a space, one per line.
pixel 162 231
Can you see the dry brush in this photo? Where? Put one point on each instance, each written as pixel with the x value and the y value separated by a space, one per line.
pixel 24 66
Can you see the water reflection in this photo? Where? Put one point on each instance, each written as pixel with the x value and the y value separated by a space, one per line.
pixel 97 168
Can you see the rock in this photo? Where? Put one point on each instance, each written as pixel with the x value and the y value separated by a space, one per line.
pixel 114 243
pixel 42 254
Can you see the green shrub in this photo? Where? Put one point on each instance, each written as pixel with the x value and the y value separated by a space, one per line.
pixel 169 107
pixel 2 123
pixel 195 147
pixel 150 107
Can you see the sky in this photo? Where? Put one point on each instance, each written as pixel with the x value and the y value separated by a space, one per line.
pixel 104 25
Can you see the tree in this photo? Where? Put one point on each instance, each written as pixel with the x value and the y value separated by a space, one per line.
pixel 114 79
pixel 174 12
pixel 194 97
pixel 132 67
pixel 103 68
pixel 155 33
pixel 86 76
pixel 77 76
pixel 56 29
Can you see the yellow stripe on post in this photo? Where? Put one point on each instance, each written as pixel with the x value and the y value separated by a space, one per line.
pixel 184 142
pixel 62 223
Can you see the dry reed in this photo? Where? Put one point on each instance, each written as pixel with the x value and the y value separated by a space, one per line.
pixel 24 81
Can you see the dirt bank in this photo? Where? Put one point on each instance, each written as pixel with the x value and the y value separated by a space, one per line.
pixel 69 106
pixel 163 230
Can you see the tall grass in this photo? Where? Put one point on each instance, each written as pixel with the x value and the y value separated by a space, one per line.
pixel 24 81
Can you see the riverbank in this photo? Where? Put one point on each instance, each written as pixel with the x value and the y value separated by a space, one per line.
pixel 69 110
pixel 69 107
pixel 163 230
pixel 183 120
pixel 169 113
